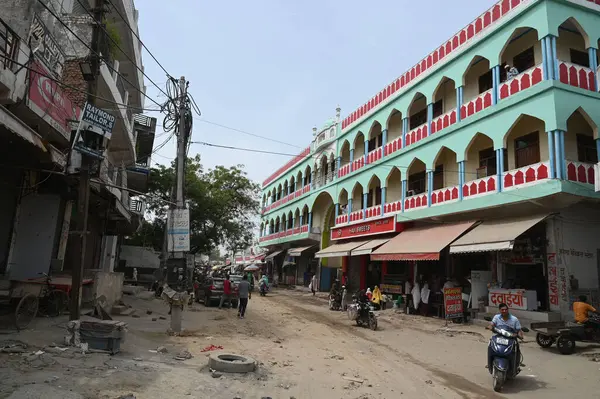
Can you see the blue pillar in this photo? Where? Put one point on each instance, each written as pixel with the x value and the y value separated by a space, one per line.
pixel 303 181
pixel 598 147
pixel 558 155
pixel 293 221
pixel 339 163
pixel 551 155
pixel 301 218
pixel 461 179
pixel 366 151
pixel 499 167
pixel 429 117
pixel 563 157
pixel 337 210
pixel 351 157
pixel 429 187
pixel 549 57
pixel 404 131
pixel 383 141
pixel 309 221
pixel 554 57
pixel 496 84
pixel 349 208
pixel 383 191
pixel 544 57
pixel 365 198
pixel 459 98
pixel 593 54
pixel 403 194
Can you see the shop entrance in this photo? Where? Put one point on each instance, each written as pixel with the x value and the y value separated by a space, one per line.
pixel 528 277
pixel 373 274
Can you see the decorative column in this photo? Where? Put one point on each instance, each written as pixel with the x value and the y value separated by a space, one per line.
pixel 495 84
pixel 461 179
pixel 563 156
pixel 383 141
pixel 404 184
pixel 429 117
pixel 429 187
pixel 551 155
pixel 557 155
pixel 301 218
pixel 383 200
pixel 313 174
pixel 293 222
pixel 500 168
pixel 365 198
pixel 404 131
pixel 598 146
pixel 351 159
pixel 309 221
pixel 593 54
pixel 554 56
pixel 459 101
pixel 337 210
pixel 349 208
pixel 303 182
pixel 339 164
pixel 544 57
pixel 366 151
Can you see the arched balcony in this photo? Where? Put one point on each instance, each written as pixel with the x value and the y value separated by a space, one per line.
pixel 574 57
pixel 375 143
pixel 416 186
pixel 444 178
pixel 443 112
pixel 477 92
pixel 394 132
pixel 345 159
pixel 356 205
pixel 393 191
pixel 359 152
pixel 581 150
pixel 481 167
pixel 373 204
pixel 417 119
pixel 342 216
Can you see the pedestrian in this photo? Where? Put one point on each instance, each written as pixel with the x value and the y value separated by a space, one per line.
pixel 313 284
pixel 245 294
pixel 135 276
pixel 226 292
pixel 511 72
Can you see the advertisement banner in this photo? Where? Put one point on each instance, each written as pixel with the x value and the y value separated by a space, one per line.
pixel 379 226
pixel 99 118
pixel 178 232
pixel 453 304
pixel 50 102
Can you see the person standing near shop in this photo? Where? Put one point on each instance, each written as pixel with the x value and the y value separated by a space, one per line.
pixel 245 294
pixel 313 284
pixel 227 292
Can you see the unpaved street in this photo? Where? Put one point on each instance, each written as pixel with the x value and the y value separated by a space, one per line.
pixel 304 351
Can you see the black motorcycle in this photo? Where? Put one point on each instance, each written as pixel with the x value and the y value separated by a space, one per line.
pixel 504 355
pixel 362 311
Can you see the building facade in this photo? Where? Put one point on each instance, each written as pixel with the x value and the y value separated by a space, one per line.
pixel 42 92
pixel 498 123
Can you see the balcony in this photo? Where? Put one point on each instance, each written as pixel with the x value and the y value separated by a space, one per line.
pixel 296 231
pixel 443 121
pixel 522 81
pixel 375 155
pixel 416 135
pixel 478 104
pixel 576 75
pixel 286 199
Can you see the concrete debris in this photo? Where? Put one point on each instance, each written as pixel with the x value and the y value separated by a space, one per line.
pixel 13 347
pixel 352 379
pixel 161 349
pixel 183 355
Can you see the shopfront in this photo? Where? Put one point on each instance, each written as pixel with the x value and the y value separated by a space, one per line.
pixel 352 245
pixel 301 265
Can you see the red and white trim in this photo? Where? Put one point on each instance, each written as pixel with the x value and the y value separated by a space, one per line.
pixel 527 175
pixel 479 187
pixel 523 81
pixel 415 202
pixel 576 75
pixel 444 195
pixel 581 172
pixel 443 121
pixel 479 103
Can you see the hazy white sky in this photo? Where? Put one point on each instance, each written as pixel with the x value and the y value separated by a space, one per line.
pixel 277 68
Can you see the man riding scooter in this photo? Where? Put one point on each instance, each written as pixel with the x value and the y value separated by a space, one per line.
pixel 581 309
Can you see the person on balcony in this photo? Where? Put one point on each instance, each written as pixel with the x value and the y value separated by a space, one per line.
pixel 511 72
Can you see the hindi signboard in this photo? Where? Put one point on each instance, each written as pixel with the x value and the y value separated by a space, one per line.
pixel 178 232
pixel 453 303
pixel 362 229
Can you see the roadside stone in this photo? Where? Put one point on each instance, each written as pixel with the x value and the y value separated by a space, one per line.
pixel 148 312
pixel 216 374
pixel 161 349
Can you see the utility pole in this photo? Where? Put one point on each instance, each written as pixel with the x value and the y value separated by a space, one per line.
pixel 180 200
pixel 84 171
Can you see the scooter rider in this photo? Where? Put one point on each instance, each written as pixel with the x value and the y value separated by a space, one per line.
pixel 505 319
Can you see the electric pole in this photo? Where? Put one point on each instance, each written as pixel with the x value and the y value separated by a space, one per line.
pixel 84 171
pixel 180 200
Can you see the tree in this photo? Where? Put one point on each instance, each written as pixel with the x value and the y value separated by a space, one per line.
pixel 222 203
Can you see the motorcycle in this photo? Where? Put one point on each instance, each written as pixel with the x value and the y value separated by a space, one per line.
pixel 504 356
pixel 362 311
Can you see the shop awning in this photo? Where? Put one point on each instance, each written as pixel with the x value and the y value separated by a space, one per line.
pixel 298 251
pixel 342 249
pixel 421 243
pixel 273 254
pixel 495 235
pixel 369 247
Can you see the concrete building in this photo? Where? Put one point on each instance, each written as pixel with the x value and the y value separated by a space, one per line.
pixel 38 117
pixel 478 161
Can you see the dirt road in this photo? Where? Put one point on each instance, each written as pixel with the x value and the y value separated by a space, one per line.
pixel 304 350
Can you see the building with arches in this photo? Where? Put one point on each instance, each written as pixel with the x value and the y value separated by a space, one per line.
pixel 499 122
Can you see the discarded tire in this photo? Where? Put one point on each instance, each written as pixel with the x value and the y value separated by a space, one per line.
pixel 230 363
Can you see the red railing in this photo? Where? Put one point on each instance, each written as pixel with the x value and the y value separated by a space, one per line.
pixel 444 195
pixel 287 233
pixel 525 175
pixel 286 199
pixel 358 163
pixel 287 166
pixel 373 211
pixel 356 215
pixel 522 81
pixel 576 75
pixel 443 121
pixel 476 188
pixel 580 172
pixel 375 155
pixel 479 103
pixel 344 170
pixel 393 146
pixel 416 135
pixel 393 207
pixel 341 219
pixel 415 201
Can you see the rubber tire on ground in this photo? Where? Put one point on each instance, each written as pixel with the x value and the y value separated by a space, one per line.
pixel 544 341
pixel 565 345
pixel 231 363
pixel 498 379
pixel 373 323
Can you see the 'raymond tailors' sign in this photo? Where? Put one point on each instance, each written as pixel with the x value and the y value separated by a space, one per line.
pixel 99 118
pixel 453 304
pixel 379 226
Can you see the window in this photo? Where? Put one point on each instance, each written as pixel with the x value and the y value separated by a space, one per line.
pixel 586 149
pixel 525 60
pixel 438 108
pixel 487 163
pixel 580 58
pixel 485 82
pixel 527 150
pixel 375 142
pixel 438 177
pixel 416 183
pixel 418 119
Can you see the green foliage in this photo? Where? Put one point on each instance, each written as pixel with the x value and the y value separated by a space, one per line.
pixel 113 33
pixel 222 203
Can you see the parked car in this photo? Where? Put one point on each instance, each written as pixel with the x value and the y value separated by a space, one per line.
pixel 213 290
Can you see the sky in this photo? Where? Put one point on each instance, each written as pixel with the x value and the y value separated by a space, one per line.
pixel 277 68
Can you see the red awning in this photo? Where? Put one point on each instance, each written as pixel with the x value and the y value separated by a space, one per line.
pixel 421 243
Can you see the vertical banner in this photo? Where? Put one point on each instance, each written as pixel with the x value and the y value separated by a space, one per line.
pixel 453 304
pixel 178 230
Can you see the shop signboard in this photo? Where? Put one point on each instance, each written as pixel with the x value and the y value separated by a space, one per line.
pixel 391 289
pixel 363 229
pixel 99 118
pixel 453 303
pixel 514 299
pixel 178 232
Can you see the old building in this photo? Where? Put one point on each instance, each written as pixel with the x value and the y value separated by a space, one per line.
pixel 479 158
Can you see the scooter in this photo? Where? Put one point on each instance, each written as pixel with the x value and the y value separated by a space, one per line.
pixel 263 288
pixel 362 311
pixel 504 356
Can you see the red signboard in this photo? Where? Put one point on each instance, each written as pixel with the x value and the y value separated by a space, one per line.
pixel 372 227
pixel 49 101
pixel 453 303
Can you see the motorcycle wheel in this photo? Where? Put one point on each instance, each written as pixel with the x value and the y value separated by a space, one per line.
pixel 358 322
pixel 498 379
pixel 544 341
pixel 372 323
pixel 566 345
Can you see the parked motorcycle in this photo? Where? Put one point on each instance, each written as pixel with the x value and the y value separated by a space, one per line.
pixel 504 355
pixel 362 311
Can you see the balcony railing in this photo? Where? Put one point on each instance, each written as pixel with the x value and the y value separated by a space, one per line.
pixel 375 155
pixel 356 215
pixel 344 170
pixel 415 202
pixel 393 146
pixel 416 135
pixel 479 103
pixel 443 121
pixel 576 75
pixel 358 163
pixel 444 195
pixel 522 81
pixel 526 175
pixel 286 233
pixel 287 198
pixel 479 187
pixel 580 172
pixel 373 211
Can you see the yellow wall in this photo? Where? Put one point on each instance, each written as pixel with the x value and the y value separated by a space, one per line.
pixel 525 126
pixel 522 44
pixel 472 161
pixel 566 41
pixel 471 89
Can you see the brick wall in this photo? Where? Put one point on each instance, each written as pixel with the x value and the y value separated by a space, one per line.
pixel 72 76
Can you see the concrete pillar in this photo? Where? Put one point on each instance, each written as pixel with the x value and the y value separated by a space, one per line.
pixel 593 54
pixel 499 168
pixel 337 210
pixel 429 117
pixel 404 184
pixel 383 141
pixel 365 205
pixel 309 221
pixel 551 155
pixel 544 57
pixel 496 84
pixel 461 179
pixel 429 187
pixel 383 200
pixel 459 101
pixel 366 151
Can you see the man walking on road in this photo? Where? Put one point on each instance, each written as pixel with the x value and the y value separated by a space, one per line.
pixel 245 294
pixel 226 292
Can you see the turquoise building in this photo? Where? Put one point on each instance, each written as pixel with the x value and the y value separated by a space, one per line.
pixel 479 158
